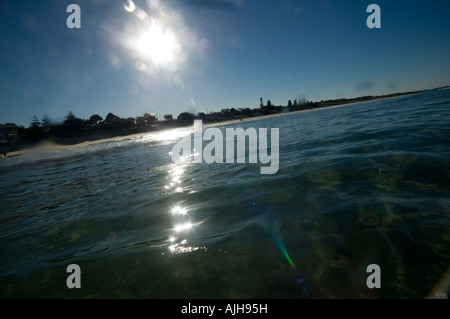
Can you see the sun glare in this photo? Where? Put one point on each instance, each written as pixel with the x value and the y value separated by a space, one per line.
pixel 155 37
pixel 158 44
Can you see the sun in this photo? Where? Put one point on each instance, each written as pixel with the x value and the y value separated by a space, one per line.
pixel 155 38
pixel 158 44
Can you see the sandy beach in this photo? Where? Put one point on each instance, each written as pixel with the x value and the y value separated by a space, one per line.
pixel 51 145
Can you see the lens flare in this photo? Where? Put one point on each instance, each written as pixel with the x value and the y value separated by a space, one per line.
pixel 130 7
pixel 278 240
pixel 289 259
pixel 268 222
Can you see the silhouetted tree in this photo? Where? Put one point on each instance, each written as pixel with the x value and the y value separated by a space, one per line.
pixel 261 103
pixel 113 121
pixel 94 119
pixel 129 122
pixel 246 111
pixel 140 121
pixel 290 105
pixel 70 116
pixel 201 115
pixel 295 103
pixel 110 118
pixel 72 123
pixel 168 117
pixel 269 104
pixel 35 124
pixel 46 124
pixel 186 118
pixel 149 119
pixel 35 129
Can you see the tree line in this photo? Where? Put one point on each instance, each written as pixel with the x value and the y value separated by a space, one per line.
pixel 73 125
pixel 146 122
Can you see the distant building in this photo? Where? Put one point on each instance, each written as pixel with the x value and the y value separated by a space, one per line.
pixel 8 132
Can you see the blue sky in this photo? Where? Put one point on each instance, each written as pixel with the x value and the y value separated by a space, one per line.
pixel 216 54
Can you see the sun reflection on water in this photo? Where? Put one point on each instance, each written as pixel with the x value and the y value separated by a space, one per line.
pixel 177 210
pixel 175 179
pixel 179 249
pixel 183 227
pixel 183 224
pixel 180 245
pixel 172 135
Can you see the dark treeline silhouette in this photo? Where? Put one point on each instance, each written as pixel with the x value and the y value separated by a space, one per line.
pixel 74 126
pixel 74 129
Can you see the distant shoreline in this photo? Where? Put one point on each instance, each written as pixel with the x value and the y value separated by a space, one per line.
pixel 262 117
pixel 70 143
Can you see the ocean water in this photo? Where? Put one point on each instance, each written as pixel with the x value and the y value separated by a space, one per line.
pixel 361 184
